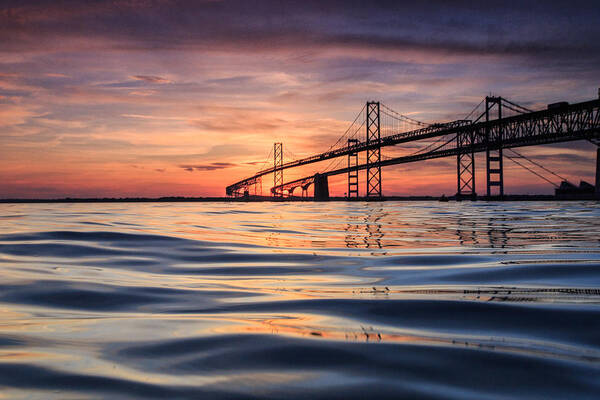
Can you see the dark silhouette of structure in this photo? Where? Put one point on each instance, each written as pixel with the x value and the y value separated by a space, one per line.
pixel 373 152
pixel 567 190
pixel 278 169
pixel 352 169
pixel 502 125
pixel 321 191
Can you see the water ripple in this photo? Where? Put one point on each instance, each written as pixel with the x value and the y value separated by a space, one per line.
pixel 305 300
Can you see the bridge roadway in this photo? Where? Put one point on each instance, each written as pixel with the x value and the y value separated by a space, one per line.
pixel 570 122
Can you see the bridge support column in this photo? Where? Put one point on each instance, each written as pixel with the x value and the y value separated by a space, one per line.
pixel 493 153
pixel 277 171
pixel 321 187
pixel 352 170
pixel 373 154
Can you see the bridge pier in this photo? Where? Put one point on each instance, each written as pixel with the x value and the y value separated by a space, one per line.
pixel 321 187
pixel 304 191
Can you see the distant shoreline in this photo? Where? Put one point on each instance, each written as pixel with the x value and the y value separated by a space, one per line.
pixel 253 199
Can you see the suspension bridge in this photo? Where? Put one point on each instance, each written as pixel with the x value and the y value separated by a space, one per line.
pixel 496 126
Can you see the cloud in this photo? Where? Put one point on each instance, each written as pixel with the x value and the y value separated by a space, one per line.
pixel 234 80
pixel 176 83
pixel 554 30
pixel 207 167
pixel 151 79
pixel 16 115
pixel 155 117
pixel 566 158
pixel 142 93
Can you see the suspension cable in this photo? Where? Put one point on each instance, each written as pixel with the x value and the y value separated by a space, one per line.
pixel 344 135
pixel 266 160
pixel 483 113
pixel 356 131
pixel 404 117
pixel 539 165
pixel 513 109
pixel 291 155
pixel 443 144
pixel 513 159
pixel 474 109
pixel 525 109
pixel 333 164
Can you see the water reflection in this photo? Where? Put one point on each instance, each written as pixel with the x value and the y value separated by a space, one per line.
pixel 353 234
pixel 466 232
pixel 374 234
pixel 280 300
pixel 498 230
pixel 365 231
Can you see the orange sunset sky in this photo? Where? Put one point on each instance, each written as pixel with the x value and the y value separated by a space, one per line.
pixel 180 98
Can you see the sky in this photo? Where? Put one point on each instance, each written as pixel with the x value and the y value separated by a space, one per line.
pixel 181 98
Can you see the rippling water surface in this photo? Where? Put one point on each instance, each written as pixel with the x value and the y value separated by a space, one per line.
pixel 300 300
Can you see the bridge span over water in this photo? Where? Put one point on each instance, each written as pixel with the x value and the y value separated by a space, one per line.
pixel 497 125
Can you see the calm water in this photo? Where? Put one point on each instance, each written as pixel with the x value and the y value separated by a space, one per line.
pixel 300 300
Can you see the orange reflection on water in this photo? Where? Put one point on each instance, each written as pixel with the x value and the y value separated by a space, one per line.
pixel 317 327
pixel 359 228
pixel 26 356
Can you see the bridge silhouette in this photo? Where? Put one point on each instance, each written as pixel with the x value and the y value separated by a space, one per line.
pixel 498 125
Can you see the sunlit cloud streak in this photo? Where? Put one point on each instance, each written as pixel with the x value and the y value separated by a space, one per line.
pixel 207 167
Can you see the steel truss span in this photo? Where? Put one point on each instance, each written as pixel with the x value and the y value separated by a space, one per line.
pixel 560 123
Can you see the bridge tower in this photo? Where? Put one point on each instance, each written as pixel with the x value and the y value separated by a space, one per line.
pixel 352 169
pixel 493 153
pixel 373 154
pixel 277 171
pixel 465 165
